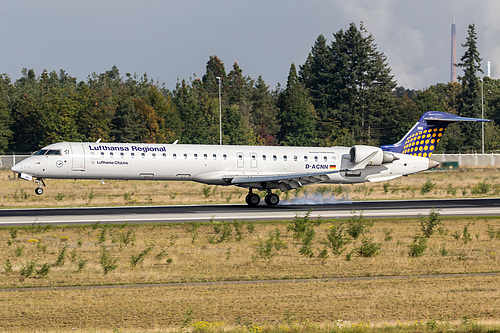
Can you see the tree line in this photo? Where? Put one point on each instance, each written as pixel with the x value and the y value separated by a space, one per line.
pixel 343 94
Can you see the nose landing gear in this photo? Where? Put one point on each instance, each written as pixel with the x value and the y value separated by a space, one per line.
pixel 39 182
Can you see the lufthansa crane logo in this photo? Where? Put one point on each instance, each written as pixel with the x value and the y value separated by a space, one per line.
pixel 59 164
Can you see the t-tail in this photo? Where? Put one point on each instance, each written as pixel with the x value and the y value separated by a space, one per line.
pixel 424 136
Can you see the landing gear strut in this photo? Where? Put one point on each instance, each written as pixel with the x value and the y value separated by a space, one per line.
pixel 39 182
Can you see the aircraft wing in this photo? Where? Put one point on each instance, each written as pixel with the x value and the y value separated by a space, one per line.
pixel 283 181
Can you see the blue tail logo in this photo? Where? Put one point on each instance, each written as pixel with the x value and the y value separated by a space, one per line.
pixel 423 137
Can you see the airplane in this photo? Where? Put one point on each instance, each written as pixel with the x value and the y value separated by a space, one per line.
pixel 263 168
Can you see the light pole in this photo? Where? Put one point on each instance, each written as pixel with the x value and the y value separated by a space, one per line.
pixel 482 116
pixel 220 114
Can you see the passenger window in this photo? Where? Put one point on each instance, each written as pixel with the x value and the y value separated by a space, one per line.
pixel 111 155
pixel 174 156
pixel 285 158
pixel 122 155
pixel 295 158
pixel 164 155
pixel 195 156
pixel 143 155
pixel 102 154
pixel 315 158
pixel 224 156
pixel 185 156
pixel 214 156
pixel 305 158
pixel 205 156
pixel 264 157
pixel 132 154
pixel 325 158
pixel 274 158
pixel 240 157
pixel 154 155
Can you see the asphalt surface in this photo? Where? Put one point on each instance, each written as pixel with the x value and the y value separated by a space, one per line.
pixel 178 214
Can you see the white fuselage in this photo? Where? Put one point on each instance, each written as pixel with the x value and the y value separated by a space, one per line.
pixel 210 164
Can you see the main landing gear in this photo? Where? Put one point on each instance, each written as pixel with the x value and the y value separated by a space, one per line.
pixel 39 182
pixel 253 199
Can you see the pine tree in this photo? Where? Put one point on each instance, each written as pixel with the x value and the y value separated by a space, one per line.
pixel 6 94
pixel 470 99
pixel 350 85
pixel 316 74
pixel 214 69
pixel 264 114
pixel 297 114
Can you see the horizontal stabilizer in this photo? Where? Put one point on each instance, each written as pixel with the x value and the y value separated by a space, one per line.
pixel 432 116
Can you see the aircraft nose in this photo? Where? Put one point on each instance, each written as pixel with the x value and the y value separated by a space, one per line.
pixel 16 168
pixel 19 167
pixel 433 164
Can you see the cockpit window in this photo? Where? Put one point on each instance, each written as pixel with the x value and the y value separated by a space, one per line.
pixel 41 152
pixel 48 152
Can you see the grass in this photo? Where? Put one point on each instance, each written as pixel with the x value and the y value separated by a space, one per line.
pixel 285 307
pixel 98 255
pixel 63 193
pixel 167 253
pixel 187 253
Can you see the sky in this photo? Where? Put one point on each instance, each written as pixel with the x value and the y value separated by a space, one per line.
pixel 173 40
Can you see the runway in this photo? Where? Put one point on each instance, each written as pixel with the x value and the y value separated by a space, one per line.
pixel 205 213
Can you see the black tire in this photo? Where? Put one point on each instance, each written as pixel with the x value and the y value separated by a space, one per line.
pixel 272 199
pixel 252 199
pixel 39 191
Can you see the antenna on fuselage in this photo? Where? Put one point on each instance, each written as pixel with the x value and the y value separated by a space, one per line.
pixel 175 142
pixel 98 140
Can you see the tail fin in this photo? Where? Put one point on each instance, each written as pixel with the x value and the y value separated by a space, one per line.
pixel 426 133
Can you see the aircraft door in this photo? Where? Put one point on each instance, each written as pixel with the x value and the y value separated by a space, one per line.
pixel 240 160
pixel 253 160
pixel 78 157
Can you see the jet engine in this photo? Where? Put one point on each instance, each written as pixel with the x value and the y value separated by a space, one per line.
pixel 377 156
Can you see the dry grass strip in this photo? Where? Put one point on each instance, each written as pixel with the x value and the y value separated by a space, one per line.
pixel 164 308
pixel 64 193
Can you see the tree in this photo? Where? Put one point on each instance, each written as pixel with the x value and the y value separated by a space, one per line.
pixel 363 82
pixel 199 114
pixel 214 69
pixel 350 85
pixel 297 114
pixel 97 108
pixel 6 94
pixel 470 99
pixel 317 74
pixel 127 123
pixel 264 114
pixel 169 120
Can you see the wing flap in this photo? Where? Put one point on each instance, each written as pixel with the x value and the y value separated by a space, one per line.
pixel 294 180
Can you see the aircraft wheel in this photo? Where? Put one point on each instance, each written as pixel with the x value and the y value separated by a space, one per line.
pixel 252 199
pixel 39 191
pixel 272 199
